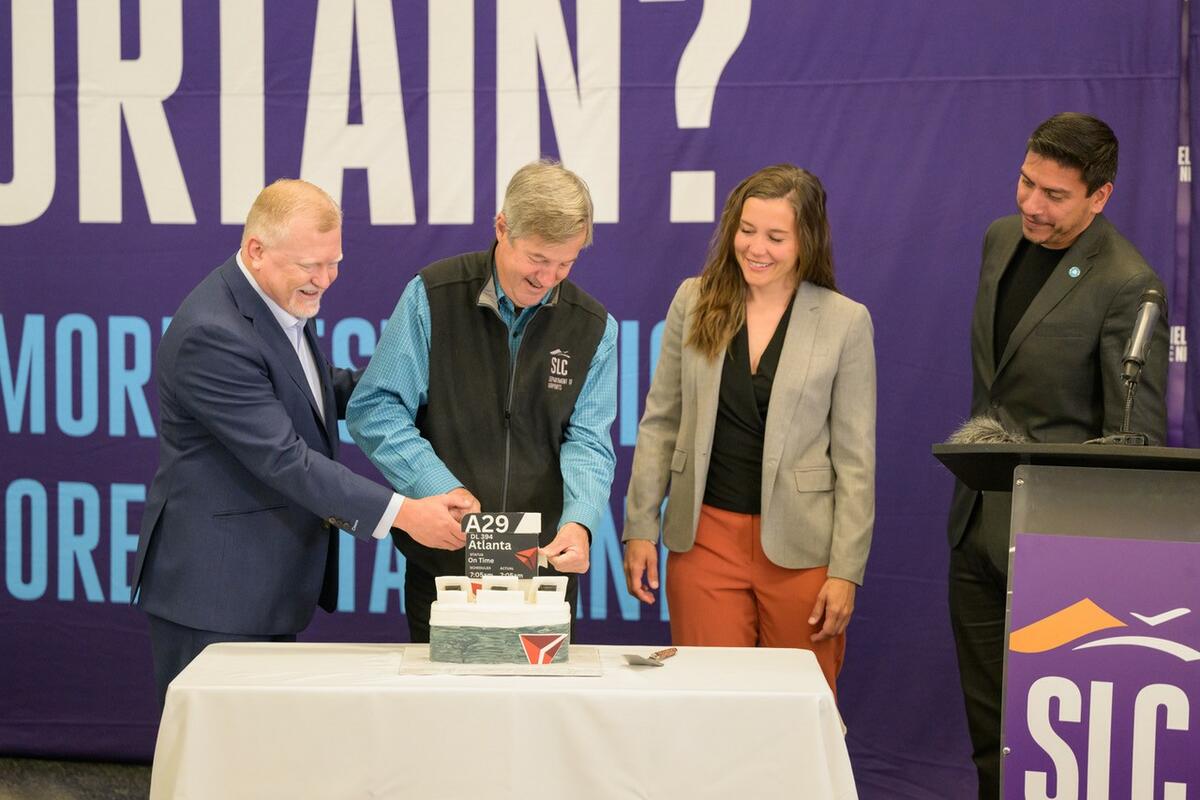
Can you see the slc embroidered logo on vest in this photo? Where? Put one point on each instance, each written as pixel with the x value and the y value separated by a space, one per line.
pixel 560 363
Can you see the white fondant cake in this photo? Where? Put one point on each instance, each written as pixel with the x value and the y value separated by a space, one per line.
pixel 503 621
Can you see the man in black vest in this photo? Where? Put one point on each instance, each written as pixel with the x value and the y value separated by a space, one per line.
pixel 1058 293
pixel 496 378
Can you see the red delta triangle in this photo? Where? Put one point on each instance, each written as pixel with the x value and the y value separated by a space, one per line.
pixel 528 557
pixel 540 648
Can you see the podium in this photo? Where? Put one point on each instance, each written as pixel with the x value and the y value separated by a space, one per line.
pixel 1102 629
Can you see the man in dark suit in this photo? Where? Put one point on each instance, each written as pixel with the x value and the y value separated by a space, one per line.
pixel 239 537
pixel 1058 294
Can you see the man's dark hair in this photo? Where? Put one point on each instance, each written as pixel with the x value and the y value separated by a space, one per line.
pixel 1079 141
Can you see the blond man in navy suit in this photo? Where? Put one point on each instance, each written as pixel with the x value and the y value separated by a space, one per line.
pixel 239 537
pixel 759 431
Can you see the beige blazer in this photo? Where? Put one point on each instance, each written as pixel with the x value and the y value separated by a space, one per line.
pixel 818 471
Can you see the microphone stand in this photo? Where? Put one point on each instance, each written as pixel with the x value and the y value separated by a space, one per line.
pixel 1126 436
pixel 1150 307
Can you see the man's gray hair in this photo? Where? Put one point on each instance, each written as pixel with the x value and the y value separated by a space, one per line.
pixel 546 199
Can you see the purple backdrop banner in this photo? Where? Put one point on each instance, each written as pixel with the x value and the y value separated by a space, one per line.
pixel 1103 672
pixel 141 131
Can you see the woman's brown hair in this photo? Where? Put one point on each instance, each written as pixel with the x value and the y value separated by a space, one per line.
pixel 721 308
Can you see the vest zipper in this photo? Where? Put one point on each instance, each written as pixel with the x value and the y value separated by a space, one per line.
pixel 512 379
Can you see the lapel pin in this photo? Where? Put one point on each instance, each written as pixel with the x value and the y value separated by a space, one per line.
pixel 1073 272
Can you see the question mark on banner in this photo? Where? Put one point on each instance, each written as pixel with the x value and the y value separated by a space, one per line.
pixel 718 35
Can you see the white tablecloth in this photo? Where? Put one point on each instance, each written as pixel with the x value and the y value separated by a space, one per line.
pixel 340 721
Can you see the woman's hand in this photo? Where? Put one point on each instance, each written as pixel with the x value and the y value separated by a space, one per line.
pixel 835 602
pixel 641 568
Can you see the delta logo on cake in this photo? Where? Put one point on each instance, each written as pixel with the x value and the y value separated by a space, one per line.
pixel 528 558
pixel 1102 679
pixel 540 648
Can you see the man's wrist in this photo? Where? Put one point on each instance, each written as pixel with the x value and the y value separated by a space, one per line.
pixel 389 516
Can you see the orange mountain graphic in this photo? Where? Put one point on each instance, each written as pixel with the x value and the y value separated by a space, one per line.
pixel 1062 627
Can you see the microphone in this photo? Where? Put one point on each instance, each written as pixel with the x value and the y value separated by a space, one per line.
pixel 985 429
pixel 1151 304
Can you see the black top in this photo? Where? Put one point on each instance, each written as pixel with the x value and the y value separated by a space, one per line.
pixel 734 480
pixel 1027 272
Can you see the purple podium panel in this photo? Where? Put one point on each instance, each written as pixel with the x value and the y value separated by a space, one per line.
pixel 1102 686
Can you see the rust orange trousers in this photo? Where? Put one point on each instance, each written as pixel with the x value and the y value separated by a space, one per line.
pixel 725 592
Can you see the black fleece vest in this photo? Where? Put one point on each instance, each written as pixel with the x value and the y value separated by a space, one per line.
pixel 481 414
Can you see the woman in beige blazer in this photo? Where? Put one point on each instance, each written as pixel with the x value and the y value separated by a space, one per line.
pixel 769 515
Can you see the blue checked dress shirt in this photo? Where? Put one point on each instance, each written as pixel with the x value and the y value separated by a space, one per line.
pixel 382 412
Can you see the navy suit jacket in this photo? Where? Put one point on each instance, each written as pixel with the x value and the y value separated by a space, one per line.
pixel 239 533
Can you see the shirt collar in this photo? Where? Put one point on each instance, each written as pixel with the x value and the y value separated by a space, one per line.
pixel 285 320
pixel 492 292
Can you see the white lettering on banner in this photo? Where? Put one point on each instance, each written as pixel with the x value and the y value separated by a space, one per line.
pixel 452 112
pixel 1184 157
pixel 1145 733
pixel 380 142
pixel 1099 748
pixel 115 94
pixel 717 36
pixel 243 107
pixel 112 89
pixel 1177 352
pixel 27 196
pixel 585 112
pixel 1100 707
pixel 1037 714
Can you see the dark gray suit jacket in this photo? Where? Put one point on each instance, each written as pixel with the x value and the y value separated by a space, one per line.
pixel 1059 378
pixel 240 528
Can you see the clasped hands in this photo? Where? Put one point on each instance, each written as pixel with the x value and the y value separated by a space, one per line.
pixel 436 521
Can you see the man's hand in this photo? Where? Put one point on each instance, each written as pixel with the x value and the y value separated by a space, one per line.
pixel 430 520
pixel 569 552
pixel 641 568
pixel 835 602
pixel 465 501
